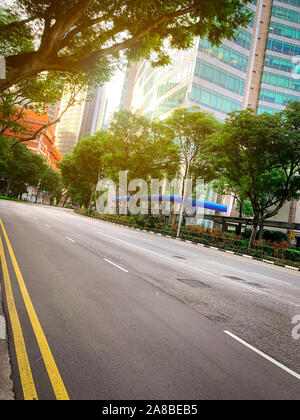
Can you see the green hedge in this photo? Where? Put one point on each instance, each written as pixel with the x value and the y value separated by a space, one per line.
pixel 293 255
pixel 4 197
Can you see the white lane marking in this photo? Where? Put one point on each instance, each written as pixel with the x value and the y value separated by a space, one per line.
pixel 213 275
pixel 270 359
pixel 254 289
pixel 70 239
pixel 46 225
pixel 2 328
pixel 110 262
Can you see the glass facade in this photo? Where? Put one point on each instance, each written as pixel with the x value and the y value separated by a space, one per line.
pixel 215 77
pixel 283 13
pixel 278 63
pixel 225 54
pixel 209 98
pixel 279 84
pixel 281 81
pixel 285 31
pixel 285 48
pixel 219 77
pixel 276 97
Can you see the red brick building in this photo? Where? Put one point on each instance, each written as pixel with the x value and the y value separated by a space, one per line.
pixel 44 143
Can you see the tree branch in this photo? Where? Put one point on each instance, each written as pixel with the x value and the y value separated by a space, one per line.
pixel 91 57
pixel 19 23
pixel 44 126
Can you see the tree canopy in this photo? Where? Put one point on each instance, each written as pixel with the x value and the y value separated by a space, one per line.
pixel 82 168
pixel 21 169
pixel 92 35
pixel 258 157
pixel 137 146
pixel 191 130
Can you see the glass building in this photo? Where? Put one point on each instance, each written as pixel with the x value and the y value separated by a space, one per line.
pixel 258 70
pixel 255 69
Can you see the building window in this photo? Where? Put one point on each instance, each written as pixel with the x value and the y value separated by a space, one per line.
pixel 286 14
pixel 213 100
pixel 221 78
pixel 225 55
pixel 277 97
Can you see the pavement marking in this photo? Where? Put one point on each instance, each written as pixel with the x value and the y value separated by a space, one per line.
pixel 254 289
pixel 70 239
pixel 27 383
pixel 110 262
pixel 270 359
pixel 214 275
pixel 2 328
pixel 51 367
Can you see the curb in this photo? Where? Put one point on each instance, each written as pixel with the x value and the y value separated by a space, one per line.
pixel 203 245
pixel 6 384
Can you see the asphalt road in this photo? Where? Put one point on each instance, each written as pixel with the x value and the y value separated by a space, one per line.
pixel 131 315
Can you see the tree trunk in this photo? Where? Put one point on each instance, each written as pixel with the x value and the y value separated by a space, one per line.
pixel 91 198
pixel 8 187
pixel 261 232
pixel 238 229
pixel 172 219
pixel 253 234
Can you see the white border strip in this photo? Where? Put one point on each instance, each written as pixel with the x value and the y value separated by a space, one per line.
pixel 291 372
pixel 110 262
pixel 70 239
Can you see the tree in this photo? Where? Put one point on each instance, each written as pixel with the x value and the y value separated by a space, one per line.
pixel 137 146
pixel 90 35
pixel 20 169
pixel 259 156
pixel 82 168
pixel 35 94
pixel 50 184
pixel 75 186
pixel 191 129
pixel 38 91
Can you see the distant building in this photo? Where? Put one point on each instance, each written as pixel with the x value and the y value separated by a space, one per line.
pixel 44 143
pixel 82 119
pixel 128 87
pixel 53 111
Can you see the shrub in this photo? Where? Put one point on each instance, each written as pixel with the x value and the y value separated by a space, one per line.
pixel 280 249
pixel 292 255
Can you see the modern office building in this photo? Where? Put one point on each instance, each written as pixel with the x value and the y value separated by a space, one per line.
pixel 258 69
pixel 82 119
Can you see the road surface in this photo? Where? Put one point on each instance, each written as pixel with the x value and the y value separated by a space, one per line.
pixel 107 312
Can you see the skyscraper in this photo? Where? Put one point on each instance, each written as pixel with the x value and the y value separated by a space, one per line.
pixel 258 70
pixel 82 119
pixel 254 70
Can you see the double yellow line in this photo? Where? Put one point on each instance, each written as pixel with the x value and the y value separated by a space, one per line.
pixel 28 386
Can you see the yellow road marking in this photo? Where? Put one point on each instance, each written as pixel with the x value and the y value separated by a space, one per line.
pixel 53 372
pixel 27 382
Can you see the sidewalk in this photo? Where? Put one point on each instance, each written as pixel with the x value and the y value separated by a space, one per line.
pixel 6 384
